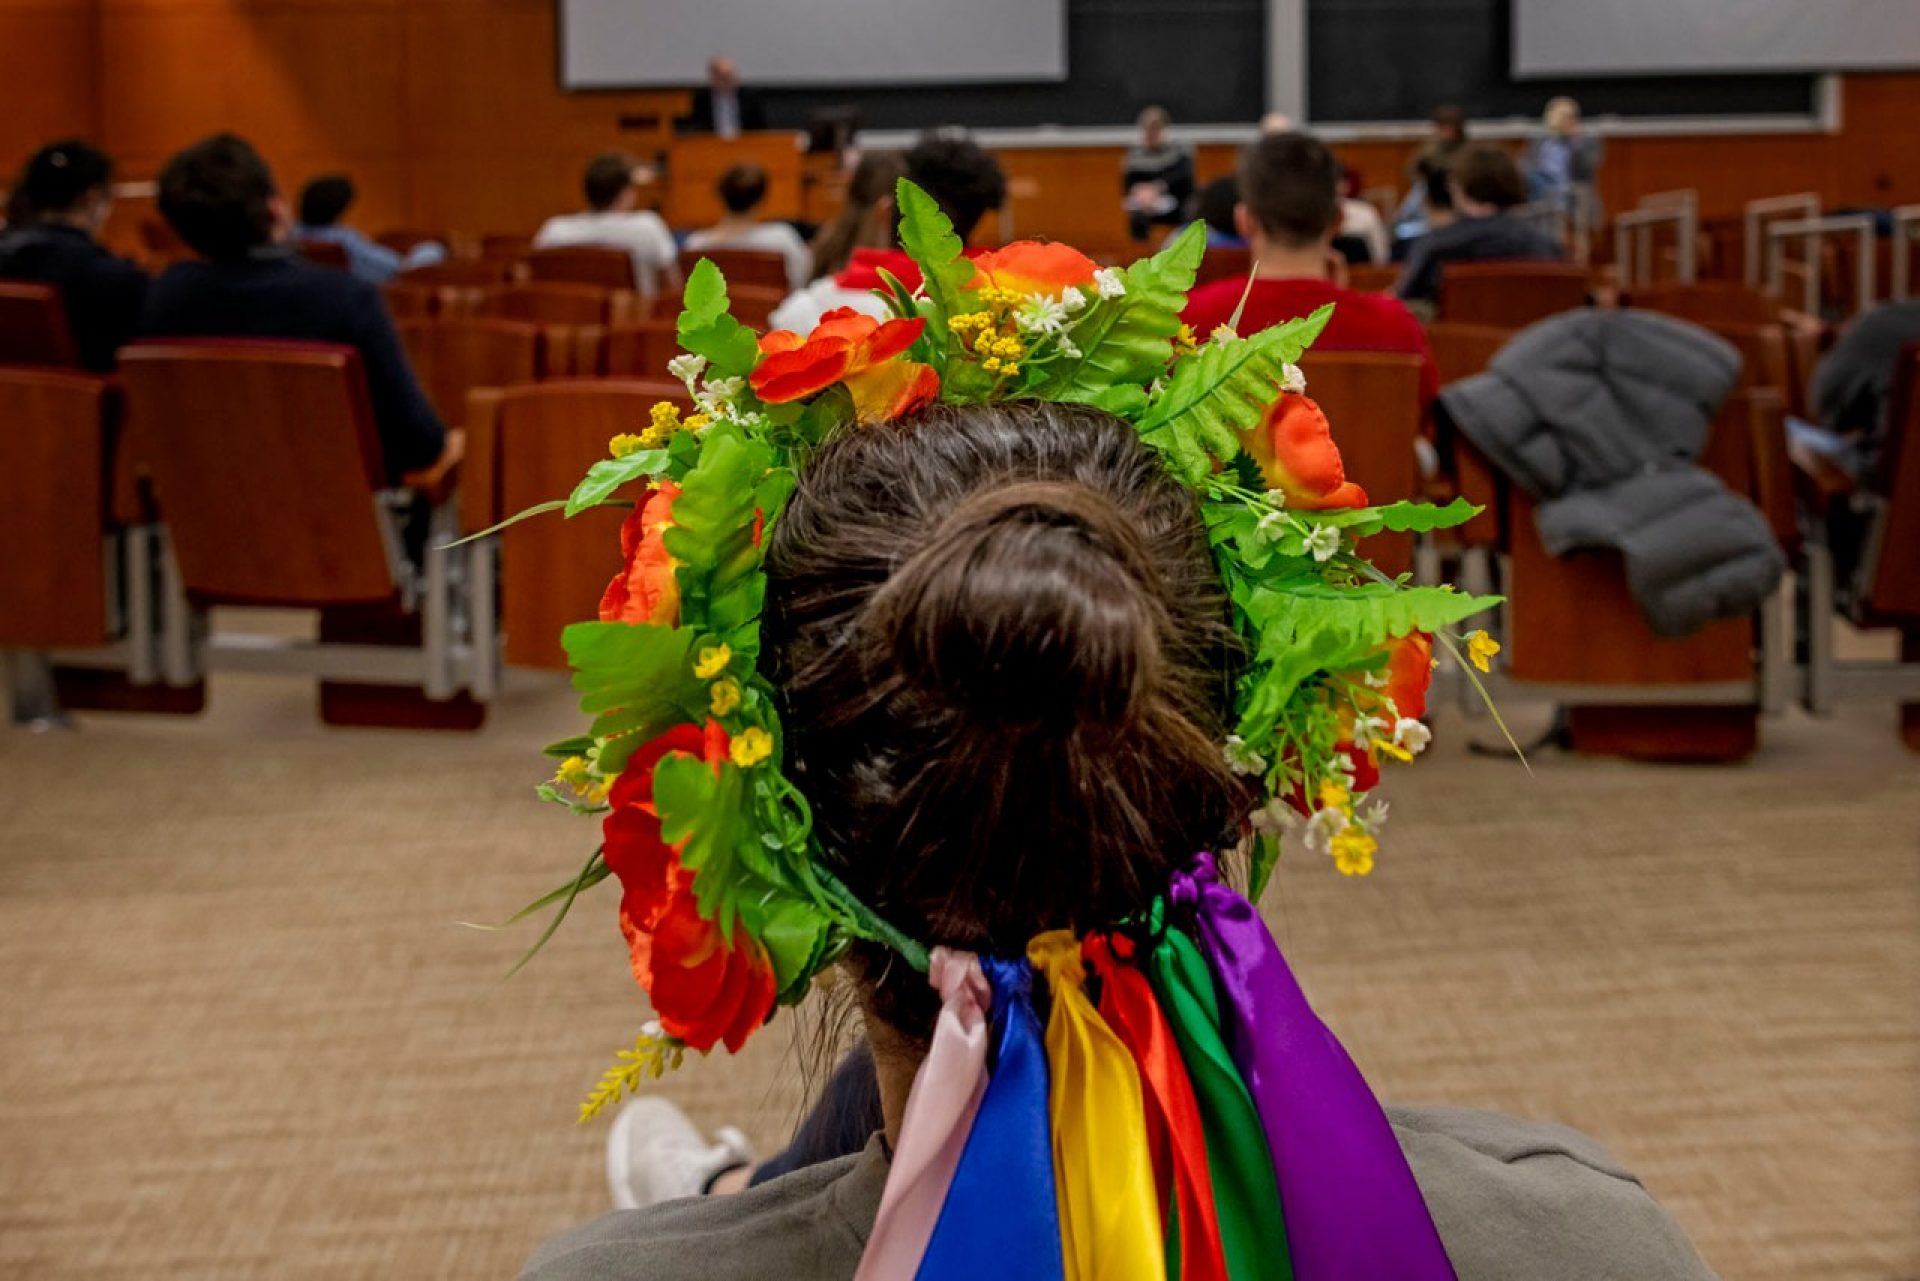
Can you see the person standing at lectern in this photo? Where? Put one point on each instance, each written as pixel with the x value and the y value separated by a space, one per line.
pixel 722 107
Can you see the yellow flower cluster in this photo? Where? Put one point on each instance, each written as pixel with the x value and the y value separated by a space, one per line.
pixel 750 747
pixel 1184 343
pixel 711 661
pixel 1352 847
pixel 724 696
pixel 994 339
pixel 625 443
pixel 1480 649
pixel 578 777
pixel 654 1054
pixel 664 422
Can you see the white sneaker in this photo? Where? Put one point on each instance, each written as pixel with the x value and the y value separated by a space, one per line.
pixel 655 1154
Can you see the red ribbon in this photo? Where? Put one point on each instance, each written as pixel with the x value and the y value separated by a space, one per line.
pixel 1174 1136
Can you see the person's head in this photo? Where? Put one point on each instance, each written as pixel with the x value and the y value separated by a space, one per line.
pixel 1485 181
pixel 1276 122
pixel 1437 186
pixel 742 188
pixel 1562 117
pixel 964 180
pixel 1449 125
pixel 219 197
pixel 723 74
pixel 865 220
pixel 67 182
pixel 324 200
pixel 609 182
pixel 1153 126
pixel 1004 658
pixel 1218 201
pixel 1289 189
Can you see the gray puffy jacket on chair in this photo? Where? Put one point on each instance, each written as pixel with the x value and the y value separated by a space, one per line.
pixel 1600 415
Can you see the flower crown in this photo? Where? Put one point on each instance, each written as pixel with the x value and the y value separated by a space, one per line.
pixel 730 905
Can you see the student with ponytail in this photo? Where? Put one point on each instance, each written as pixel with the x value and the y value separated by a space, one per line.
pixel 986 653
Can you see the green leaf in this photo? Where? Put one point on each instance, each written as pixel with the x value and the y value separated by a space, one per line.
pixel 1223 390
pixel 538 509
pixel 639 677
pixel 593 872
pixel 1266 856
pixel 927 234
pixel 899 299
pixel 609 474
pixel 703 816
pixel 706 328
pixel 1402 518
pixel 712 532
pixel 1127 341
pixel 579 745
pixel 795 933
pixel 1309 626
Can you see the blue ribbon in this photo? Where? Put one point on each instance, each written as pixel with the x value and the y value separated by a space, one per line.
pixel 1001 1217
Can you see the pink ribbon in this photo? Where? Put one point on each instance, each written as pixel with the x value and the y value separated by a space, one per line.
pixel 940 1111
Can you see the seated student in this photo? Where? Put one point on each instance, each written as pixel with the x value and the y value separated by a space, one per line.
pixel 1218 200
pixel 1363 232
pixel 952 168
pixel 324 201
pixel 1853 389
pixel 743 189
pixel 1484 184
pixel 865 220
pixel 219 197
pixel 55 212
pixel 1065 792
pixel 1290 211
pixel 1156 178
pixel 613 218
pixel 1447 134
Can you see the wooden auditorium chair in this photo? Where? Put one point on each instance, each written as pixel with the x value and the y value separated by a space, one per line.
pixel 1511 294
pixel 638 349
pixel 1462 350
pixel 323 253
pixel 753 304
pixel 403 241
pixel 1373 278
pixel 77 583
pixel 1372 400
pixel 1707 302
pixel 532 444
pixel 1885 587
pixel 1576 637
pixel 557 303
pixel 266 471
pixel 761 268
pixel 34 328
pixel 451 358
pixel 596 265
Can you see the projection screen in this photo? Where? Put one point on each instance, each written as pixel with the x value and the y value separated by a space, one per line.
pixel 608 44
pixel 1634 37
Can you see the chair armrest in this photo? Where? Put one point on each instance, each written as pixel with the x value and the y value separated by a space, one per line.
pixel 436 480
pixel 480 496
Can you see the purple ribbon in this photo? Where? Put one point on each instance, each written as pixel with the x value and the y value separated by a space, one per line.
pixel 1352 1207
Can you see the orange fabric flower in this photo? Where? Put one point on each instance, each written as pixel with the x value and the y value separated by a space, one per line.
pixel 645 590
pixel 1033 267
pixel 893 390
pixel 1294 446
pixel 705 988
pixel 844 344
pixel 1408 673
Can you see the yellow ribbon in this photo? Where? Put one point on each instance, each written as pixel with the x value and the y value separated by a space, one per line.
pixel 1109 1208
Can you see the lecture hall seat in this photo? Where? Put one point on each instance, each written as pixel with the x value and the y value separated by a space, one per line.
pixel 540 440
pixel 453 357
pixel 639 349
pixel 34 328
pixel 1372 401
pixel 1510 294
pixel 763 268
pixel 555 303
pixel 595 265
pixel 303 518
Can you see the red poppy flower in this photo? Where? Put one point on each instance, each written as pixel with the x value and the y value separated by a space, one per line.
pixel 844 343
pixel 1294 447
pixel 645 590
pixel 893 390
pixel 705 988
pixel 1033 267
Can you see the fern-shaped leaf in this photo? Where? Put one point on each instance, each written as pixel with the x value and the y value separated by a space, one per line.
pixel 1127 341
pixel 1224 389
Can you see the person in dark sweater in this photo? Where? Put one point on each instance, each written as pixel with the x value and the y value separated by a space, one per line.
pixel 1485 184
pixel 1157 178
pixel 57 208
pixel 220 198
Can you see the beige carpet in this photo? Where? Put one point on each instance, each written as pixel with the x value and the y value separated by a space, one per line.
pixel 244 1037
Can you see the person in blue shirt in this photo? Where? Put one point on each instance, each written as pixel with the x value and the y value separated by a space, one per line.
pixel 1562 165
pixel 324 202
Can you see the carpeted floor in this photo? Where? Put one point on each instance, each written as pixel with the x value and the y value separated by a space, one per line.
pixel 243 1035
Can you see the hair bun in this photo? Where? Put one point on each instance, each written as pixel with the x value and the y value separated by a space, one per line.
pixel 1031 605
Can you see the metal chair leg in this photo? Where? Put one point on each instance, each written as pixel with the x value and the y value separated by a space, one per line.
pixel 483 615
pixel 1776 651
pixel 177 665
pixel 1820 626
pixel 142 638
pixel 436 623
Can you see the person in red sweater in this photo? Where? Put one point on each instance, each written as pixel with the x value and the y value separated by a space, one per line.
pixel 1290 212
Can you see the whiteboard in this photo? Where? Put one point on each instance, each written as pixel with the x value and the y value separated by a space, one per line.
pixel 619 44
pixel 1632 37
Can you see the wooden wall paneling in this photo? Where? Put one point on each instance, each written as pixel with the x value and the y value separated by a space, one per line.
pixel 47 68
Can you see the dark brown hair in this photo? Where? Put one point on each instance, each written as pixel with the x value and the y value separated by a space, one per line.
pixel 742 187
pixel 1487 174
pixel 1291 184
pixel 217 195
pixel 1002 647
pixel 855 226
pixel 608 176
